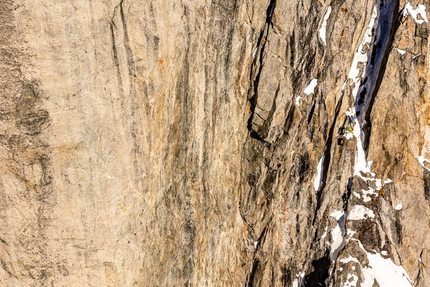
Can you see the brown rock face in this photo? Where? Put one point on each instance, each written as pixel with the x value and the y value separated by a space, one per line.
pixel 214 143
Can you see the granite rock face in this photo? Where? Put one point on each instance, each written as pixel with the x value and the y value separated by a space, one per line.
pixel 214 143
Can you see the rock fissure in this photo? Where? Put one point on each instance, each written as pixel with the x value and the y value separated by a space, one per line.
pixel 325 158
pixel 385 29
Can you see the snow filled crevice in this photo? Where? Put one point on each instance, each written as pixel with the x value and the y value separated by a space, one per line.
pixel 355 74
pixel 366 73
pixel 317 181
pixel 360 56
pixel 385 26
pixel 338 234
pixel 324 26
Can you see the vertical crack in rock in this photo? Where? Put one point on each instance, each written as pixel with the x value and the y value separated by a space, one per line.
pixel 254 278
pixel 325 159
pixel 379 51
pixel 128 50
pixel 259 132
pixel 115 55
pixel 134 105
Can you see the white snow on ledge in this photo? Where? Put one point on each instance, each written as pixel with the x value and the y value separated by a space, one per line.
pixel 419 11
pixel 385 272
pixel 398 206
pixel 324 25
pixel 311 87
pixel 359 212
pixel 401 52
pixel 297 101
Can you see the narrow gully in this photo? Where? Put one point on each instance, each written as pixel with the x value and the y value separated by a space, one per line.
pixel 379 51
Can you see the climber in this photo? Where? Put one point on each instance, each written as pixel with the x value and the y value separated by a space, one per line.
pixel 352 122
pixel 349 185
pixel 345 198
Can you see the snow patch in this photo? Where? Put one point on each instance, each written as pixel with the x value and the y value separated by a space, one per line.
pixel 398 207
pixel 256 244
pixel 298 101
pixel 325 233
pixel 317 180
pixel 361 164
pixel 401 52
pixel 359 212
pixel 324 25
pixel 336 214
pixel 420 10
pixel 296 281
pixel 310 88
pixel 356 194
pixel 255 52
pixel 385 272
pixel 422 160
pixel 366 197
pixel 416 56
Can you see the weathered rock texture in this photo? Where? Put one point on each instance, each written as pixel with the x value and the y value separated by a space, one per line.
pixel 171 143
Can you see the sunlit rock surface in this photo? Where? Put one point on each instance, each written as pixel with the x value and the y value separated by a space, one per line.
pixel 214 143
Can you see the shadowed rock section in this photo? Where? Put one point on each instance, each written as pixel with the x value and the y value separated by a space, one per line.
pixel 379 50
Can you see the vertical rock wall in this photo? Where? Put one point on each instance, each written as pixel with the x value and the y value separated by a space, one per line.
pixel 205 143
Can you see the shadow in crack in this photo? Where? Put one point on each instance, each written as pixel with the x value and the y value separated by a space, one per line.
pixel 320 273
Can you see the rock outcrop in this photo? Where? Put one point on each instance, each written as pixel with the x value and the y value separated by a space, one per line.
pixel 214 143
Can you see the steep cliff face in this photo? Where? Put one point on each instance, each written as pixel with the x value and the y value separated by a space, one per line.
pixel 214 143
